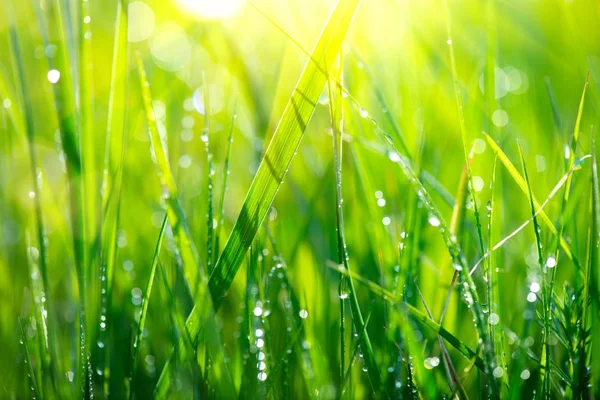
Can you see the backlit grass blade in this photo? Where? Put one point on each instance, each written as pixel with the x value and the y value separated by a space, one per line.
pixel 282 148
pixel 514 173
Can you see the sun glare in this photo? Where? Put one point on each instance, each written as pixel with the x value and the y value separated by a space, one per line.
pixel 211 9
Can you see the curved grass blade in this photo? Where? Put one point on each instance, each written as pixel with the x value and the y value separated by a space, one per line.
pixel 523 186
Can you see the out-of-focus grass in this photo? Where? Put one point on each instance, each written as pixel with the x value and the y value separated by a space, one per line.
pixel 350 267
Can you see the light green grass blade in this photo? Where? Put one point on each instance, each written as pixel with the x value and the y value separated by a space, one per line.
pixel 337 122
pixel 282 148
pixel 115 148
pixel 514 173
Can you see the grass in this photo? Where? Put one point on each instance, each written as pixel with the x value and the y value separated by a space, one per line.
pixel 193 206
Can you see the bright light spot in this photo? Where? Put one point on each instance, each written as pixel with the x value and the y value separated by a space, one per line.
pixel 535 287
pixel 479 146
pixel 449 41
pixel 478 183
pixel 498 372
pixel 262 366
pixel 381 202
pixel 433 220
pixel 525 374
pixel 262 376
pixel 141 21
pixel 393 156
pixel 303 314
pixel 258 311
pixel 211 9
pixel 431 362
pixel 260 343
pixel 170 47
pixel 551 262
pixel 86 19
pixel 379 194
pixel 259 332
pixel 363 113
pixel 531 297
pixel 493 319
pixel 540 163
pixel 185 161
pixel 386 221
pixel 53 75
pixel 501 83
pixel 216 96
pixel 32 195
pixel 500 118
pixel 514 78
pixel 567 151
pixel 6 103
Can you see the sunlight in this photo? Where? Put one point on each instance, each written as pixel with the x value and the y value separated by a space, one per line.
pixel 211 9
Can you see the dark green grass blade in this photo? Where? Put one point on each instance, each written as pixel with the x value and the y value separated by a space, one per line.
pixel 419 316
pixel 137 344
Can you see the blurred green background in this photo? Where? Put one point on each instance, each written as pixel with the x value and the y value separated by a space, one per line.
pixel 533 55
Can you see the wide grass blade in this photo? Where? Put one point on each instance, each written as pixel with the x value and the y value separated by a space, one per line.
pixel 282 148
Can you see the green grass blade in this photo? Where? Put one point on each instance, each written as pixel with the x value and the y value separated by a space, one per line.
pixel 514 173
pixel 137 344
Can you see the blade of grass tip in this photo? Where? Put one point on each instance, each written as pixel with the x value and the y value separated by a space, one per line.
pixel 556 188
pixel 282 148
pixel 60 76
pixel 523 186
pixel 416 313
pixel 221 210
pixel 48 353
pixel 34 391
pixel 137 344
pixel 210 173
pixel 336 112
pixel 115 149
pixel 546 367
pixel 194 273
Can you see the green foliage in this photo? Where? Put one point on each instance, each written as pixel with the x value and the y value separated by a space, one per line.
pixel 194 205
